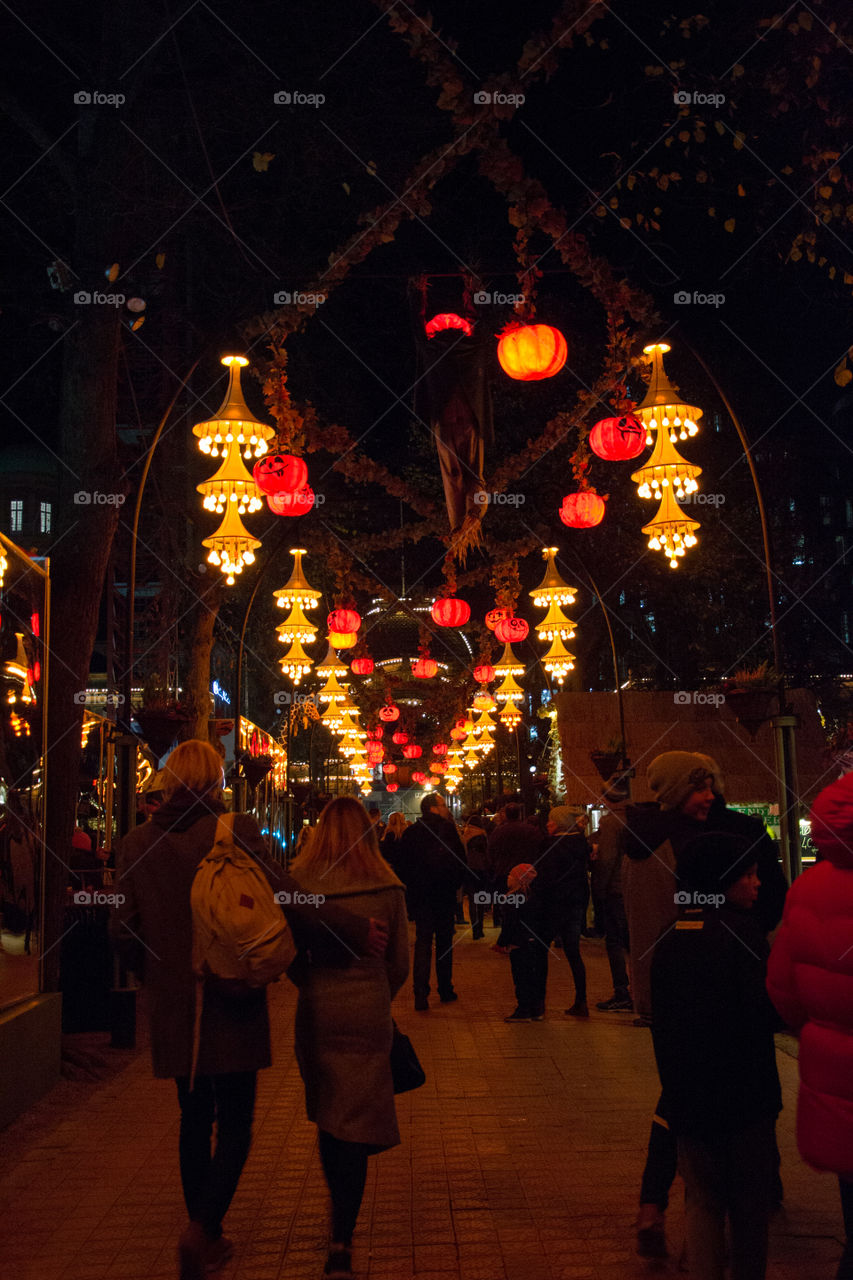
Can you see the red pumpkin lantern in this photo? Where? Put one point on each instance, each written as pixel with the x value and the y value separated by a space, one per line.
pixel 280 473
pixel 391 786
pixel 375 735
pixel 450 612
pixel 494 616
pixel 447 320
pixel 399 738
pixel 438 767
pixel 440 749
pixel 389 712
pixel 389 768
pixel 295 503
pixel 512 630
pixel 458 735
pixel 463 722
pixel 530 352
pixel 418 777
pixel 412 751
pixel 342 639
pixel 375 752
pixel 424 668
pixel 484 674
pixel 343 620
pixel 617 439
pixel 582 510
pixel 362 666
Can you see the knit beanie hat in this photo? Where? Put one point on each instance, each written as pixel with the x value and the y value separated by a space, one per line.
pixel 832 822
pixel 562 816
pixel 81 840
pixel 521 876
pixel 675 774
pixel 713 861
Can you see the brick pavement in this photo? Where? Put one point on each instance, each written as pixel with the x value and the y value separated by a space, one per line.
pixel 521 1158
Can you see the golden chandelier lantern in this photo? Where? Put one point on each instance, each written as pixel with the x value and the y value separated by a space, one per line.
pixel 671 531
pixel 234 421
pixel 297 589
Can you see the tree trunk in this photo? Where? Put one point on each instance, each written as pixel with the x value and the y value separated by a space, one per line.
pixel 197 685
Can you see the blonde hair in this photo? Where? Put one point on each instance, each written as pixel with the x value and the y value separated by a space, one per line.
pixel 344 845
pixel 194 766
pixel 396 823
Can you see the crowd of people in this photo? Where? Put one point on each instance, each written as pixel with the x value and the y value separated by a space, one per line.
pixel 688 891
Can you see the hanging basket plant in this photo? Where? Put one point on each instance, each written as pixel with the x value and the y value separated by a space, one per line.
pixel 752 693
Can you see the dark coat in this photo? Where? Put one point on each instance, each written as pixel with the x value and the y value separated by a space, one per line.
pixel 562 881
pixel 712 1023
pixel 509 844
pixel 155 867
pixel 431 864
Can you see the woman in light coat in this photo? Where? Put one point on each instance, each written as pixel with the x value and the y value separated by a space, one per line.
pixel 343 1016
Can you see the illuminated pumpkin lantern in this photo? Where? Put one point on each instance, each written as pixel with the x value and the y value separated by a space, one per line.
pixel 389 712
pixel 450 612
pixel 389 768
pixel 424 668
pixel 512 630
pixel 362 666
pixel 295 503
pixel 343 620
pixel 375 735
pixel 530 352
pixel 418 777
pixel 484 674
pixel 483 700
pixel 617 439
pixel 342 639
pixel 447 320
pixel 438 767
pixel 440 749
pixel 494 616
pixel 391 786
pixel 412 751
pixel 280 473
pixel 375 752
pixel 582 510
pixel 458 735
pixel 400 738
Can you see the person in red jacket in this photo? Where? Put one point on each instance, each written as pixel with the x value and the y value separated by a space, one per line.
pixel 810 981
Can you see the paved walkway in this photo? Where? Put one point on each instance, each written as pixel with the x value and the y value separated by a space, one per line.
pixel 521 1158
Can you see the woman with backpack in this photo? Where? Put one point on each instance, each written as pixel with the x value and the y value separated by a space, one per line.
pixel 343 1017
pixel 153 929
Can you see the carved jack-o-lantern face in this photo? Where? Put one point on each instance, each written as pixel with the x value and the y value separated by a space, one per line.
pixel 512 630
pixel 280 473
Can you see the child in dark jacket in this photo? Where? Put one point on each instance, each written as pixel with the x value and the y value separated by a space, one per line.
pixel 712 1027
pixel 525 921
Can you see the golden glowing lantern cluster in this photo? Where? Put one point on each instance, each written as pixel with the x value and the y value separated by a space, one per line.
pixel 666 477
pixel 296 630
pixel 509 691
pixel 555 627
pixel 232 433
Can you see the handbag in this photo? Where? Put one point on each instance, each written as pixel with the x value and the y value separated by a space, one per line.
pixel 406 1070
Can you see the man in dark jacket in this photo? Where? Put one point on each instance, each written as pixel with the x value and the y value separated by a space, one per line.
pixel 712 1027
pixel 432 866
pixel 562 865
pixel 510 843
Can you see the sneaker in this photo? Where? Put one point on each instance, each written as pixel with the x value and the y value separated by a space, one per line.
pixel 217 1253
pixel 421 1004
pixel 620 1004
pixel 518 1016
pixel 449 998
pixel 192 1252
pixel 338 1265
pixel 579 1009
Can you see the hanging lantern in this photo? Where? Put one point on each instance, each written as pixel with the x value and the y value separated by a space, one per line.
pixel 512 630
pixel 555 623
pixel 296 590
pixel 552 589
pixel 484 674
pixel 280 473
pixel 342 639
pixel 412 751
pixel 440 749
pixel 418 777
pixel 582 510
pixel 665 469
pixel 390 768
pixel 447 320
pixel 343 620
pixel 233 420
pixel 458 735
pixel 618 439
pixel 483 700
pixel 376 734
pixel 231 546
pixel 662 406
pixel 296 627
pixel 362 666
pixel 391 786
pixel 296 663
pixel 438 767
pixel 671 531
pixel 291 504
pixel 494 616
pixel 532 351
pixel 389 712
pixel 510 715
pixel 558 662
pixel 375 752
pixel 424 668
pixel 399 738
pixel 450 612
pixel 231 484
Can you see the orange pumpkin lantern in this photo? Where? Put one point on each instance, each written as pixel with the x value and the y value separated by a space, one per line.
pixel 530 352
pixel 440 749
pixel 391 786
pixel 494 616
pixel 389 712
pixel 458 735
pixel 424 668
pixel 280 473
pixel 582 510
pixel 362 666
pixel 295 503
pixel 483 700
pixel 512 630
pixel 617 439
pixel 399 738
pixel 412 751
pixel 484 674
pixel 438 767
pixel 343 620
pixel 376 735
pixel 375 752
pixel 418 777
pixel 447 320
pixel 342 639
pixel 389 768
pixel 450 612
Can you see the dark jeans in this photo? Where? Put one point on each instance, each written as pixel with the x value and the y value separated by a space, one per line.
pixel 569 927
pixel 845 1267
pixel 728 1175
pixel 433 922
pixel 345 1169
pixel 616 943
pixel 477 884
pixel 529 964
pixel 210 1180
pixel 661 1161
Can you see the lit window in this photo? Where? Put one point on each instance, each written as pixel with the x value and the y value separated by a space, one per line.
pixel 621 597
pixel 16 515
pixel 650 619
pixel 45 517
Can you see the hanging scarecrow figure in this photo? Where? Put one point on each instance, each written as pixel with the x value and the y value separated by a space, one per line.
pixel 452 395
